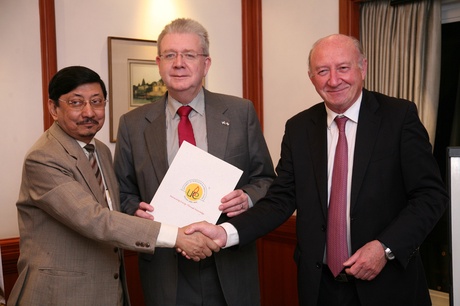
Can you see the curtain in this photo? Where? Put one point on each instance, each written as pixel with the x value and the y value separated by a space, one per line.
pixel 403 45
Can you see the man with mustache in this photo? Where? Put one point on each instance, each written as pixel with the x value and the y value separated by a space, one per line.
pixel 71 233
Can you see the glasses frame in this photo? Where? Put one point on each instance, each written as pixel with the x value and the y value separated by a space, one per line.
pixel 184 56
pixel 85 102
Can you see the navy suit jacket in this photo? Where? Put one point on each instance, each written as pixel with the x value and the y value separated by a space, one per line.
pixel 397 196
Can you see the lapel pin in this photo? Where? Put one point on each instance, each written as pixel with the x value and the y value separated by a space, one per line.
pixel 225 123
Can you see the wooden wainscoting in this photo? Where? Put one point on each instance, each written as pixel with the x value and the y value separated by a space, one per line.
pixel 10 255
pixel 277 269
pixel 134 282
pixel 278 276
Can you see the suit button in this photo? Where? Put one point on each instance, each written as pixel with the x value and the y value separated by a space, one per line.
pixel 141 244
pixel 323 228
pixel 115 250
pixel 115 276
pixel 147 244
pixel 138 243
pixel 318 265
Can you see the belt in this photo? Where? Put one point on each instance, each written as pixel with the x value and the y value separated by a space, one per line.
pixel 344 278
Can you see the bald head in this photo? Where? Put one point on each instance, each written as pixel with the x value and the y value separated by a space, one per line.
pixel 337 68
pixel 338 40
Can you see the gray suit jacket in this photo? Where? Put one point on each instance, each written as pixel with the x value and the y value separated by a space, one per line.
pixel 141 163
pixel 69 239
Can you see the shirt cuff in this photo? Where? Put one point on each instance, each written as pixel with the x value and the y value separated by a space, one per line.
pixel 167 236
pixel 232 234
pixel 251 204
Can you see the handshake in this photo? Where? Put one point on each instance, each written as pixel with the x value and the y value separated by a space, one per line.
pixel 199 240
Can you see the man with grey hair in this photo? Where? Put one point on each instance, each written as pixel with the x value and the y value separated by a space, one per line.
pixel 359 232
pixel 148 140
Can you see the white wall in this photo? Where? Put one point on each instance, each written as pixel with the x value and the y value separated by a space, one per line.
pixel 82 29
pixel 21 112
pixel 83 40
pixel 289 30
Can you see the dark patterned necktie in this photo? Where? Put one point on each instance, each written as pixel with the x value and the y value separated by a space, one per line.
pixel 93 162
pixel 337 247
pixel 185 129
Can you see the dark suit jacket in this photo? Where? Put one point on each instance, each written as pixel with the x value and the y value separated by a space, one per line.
pixel 69 239
pixel 141 163
pixel 397 196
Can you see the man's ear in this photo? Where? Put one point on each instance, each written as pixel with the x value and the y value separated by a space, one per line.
pixel 52 108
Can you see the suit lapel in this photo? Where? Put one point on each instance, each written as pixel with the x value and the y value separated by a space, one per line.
pixel 217 125
pixel 155 140
pixel 109 177
pixel 317 132
pixel 81 161
pixel 366 135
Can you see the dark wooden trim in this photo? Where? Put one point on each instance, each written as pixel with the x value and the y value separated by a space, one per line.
pixel 251 11
pixel 277 269
pixel 48 52
pixel 349 17
pixel 10 255
pixel 136 296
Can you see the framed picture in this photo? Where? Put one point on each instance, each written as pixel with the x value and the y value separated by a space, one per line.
pixel 134 79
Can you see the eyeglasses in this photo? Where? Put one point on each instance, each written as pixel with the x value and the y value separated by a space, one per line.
pixel 188 56
pixel 79 104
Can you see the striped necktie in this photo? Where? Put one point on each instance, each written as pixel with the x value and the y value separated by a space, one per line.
pixel 337 247
pixel 92 160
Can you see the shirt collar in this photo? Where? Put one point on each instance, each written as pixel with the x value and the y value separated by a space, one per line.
pixel 197 104
pixel 352 113
pixel 83 144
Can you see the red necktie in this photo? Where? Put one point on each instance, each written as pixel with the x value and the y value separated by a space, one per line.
pixel 185 127
pixel 337 247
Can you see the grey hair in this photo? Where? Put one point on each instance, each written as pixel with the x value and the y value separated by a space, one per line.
pixel 186 25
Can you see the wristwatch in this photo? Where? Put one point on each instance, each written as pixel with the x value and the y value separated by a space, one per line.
pixel 388 253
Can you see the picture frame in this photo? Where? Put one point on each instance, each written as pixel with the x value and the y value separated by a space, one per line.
pixel 134 79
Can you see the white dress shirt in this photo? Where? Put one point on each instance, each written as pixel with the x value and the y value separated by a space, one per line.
pixel 332 137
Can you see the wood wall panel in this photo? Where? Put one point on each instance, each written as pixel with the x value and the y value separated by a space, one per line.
pixel 277 270
pixel 10 255
pixel 349 17
pixel 133 279
pixel 251 11
pixel 48 53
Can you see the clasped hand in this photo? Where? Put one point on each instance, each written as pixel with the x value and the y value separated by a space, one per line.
pixel 199 240
pixel 213 233
pixel 194 245
pixel 232 204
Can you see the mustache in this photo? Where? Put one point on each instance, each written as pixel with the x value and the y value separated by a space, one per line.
pixel 88 120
